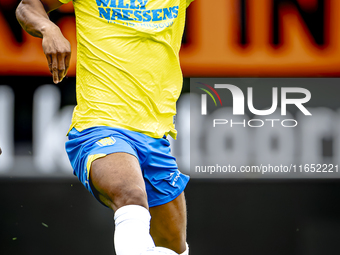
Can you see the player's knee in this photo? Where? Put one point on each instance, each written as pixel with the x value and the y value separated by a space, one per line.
pixel 130 196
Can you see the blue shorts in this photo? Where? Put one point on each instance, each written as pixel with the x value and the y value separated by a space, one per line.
pixel 163 181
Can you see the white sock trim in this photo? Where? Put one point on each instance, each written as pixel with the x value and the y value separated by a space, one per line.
pixel 137 211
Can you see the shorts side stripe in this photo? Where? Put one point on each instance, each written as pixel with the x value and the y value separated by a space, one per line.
pixel 90 159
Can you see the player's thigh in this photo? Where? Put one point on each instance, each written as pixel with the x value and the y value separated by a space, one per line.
pixel 168 224
pixel 118 181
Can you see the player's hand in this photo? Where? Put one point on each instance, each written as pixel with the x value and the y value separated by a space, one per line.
pixel 58 53
pixel 0 151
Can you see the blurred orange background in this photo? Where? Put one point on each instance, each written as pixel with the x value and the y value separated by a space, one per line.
pixel 238 38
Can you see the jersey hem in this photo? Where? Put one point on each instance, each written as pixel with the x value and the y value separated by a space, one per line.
pixel 171 132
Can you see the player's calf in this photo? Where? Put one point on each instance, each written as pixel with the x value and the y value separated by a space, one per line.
pixel 168 224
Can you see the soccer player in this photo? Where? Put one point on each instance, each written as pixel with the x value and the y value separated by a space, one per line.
pixel 128 82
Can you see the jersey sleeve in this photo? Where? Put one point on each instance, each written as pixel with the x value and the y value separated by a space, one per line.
pixel 66 1
pixel 188 2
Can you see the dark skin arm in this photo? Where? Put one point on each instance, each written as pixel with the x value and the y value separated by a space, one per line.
pixel 32 16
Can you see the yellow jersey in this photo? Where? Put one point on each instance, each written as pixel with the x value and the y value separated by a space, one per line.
pixel 128 70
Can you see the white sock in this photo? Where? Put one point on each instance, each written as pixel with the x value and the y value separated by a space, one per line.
pixel 132 233
pixel 186 252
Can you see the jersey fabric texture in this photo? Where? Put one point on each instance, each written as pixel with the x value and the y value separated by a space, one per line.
pixel 128 70
pixel 163 181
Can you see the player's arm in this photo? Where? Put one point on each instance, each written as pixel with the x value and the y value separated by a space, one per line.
pixel 32 16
